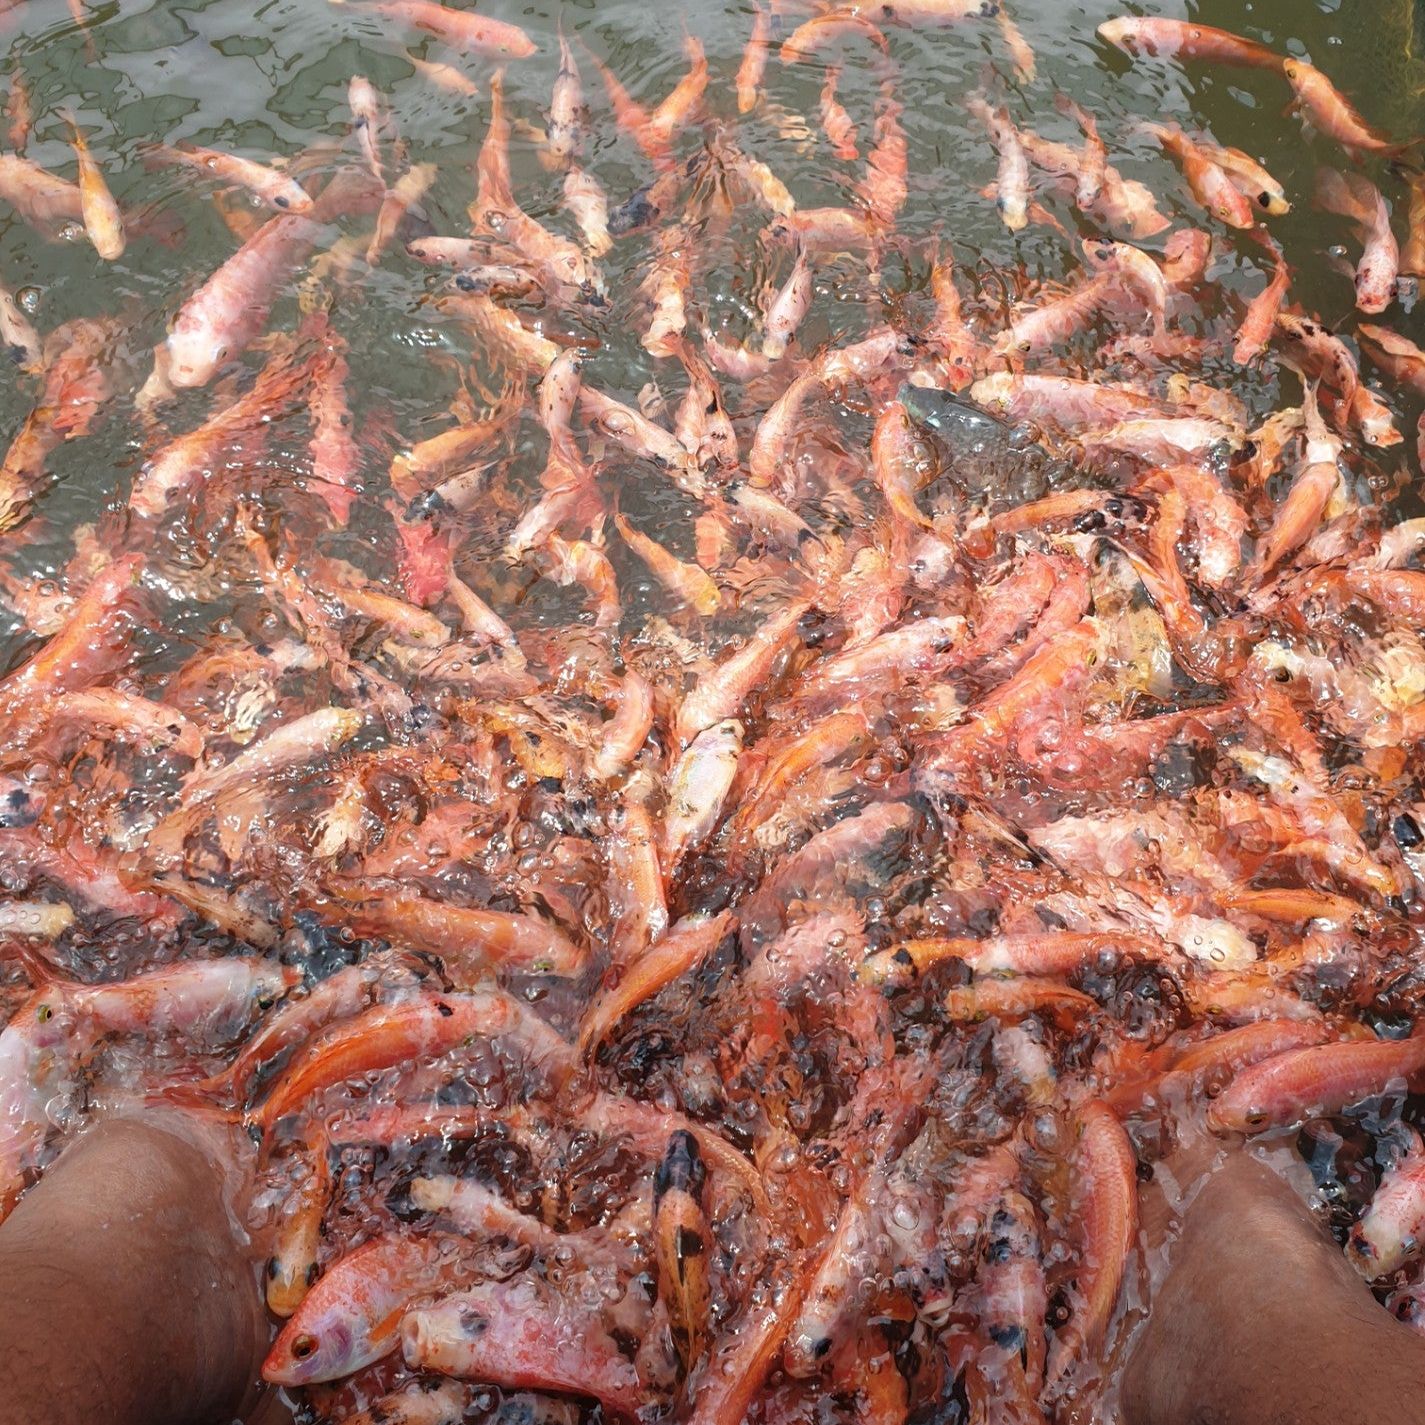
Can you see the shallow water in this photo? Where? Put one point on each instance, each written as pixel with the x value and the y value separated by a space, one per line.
pixel 272 81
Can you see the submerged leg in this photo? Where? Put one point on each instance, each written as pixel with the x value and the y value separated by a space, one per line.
pixel 129 1296
pixel 1261 1321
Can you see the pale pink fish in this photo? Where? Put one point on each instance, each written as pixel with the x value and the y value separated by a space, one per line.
pixel 639 436
pixel 1046 326
pixel 1162 439
pixel 1095 159
pixel 404 195
pixel 1020 50
pixel 1123 204
pixel 588 204
pixel 463 30
pixel 42 198
pixel 445 76
pixel 720 694
pixel 1354 196
pixel 516 1334
pixel 697 788
pixel 336 457
pixel 1013 179
pixel 567 112
pixel 41 1049
pixel 275 188
pixel 1059 401
pixel 230 310
pixel 836 123
pixel 754 59
pixel 788 307
pixel 368 118
pixel 305 739
pixel 1139 274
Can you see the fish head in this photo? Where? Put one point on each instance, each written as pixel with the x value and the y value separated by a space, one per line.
pixel 1099 252
pixel 271 982
pixel 316 1346
pixel 195 352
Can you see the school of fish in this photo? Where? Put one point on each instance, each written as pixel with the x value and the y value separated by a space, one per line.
pixel 730 952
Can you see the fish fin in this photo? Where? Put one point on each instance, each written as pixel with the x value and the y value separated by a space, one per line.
pixel 44 974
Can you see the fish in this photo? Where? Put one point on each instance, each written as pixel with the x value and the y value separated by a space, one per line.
pixel 787 309
pixel 1013 179
pixel 463 30
pixel 720 695
pixel 277 189
pixel 754 60
pixel 679 949
pixel 1250 178
pixel 684 1244
pixel 495 212
pixel 172 469
pixel 43 199
pixel 513 1334
pixel 1094 163
pixel 368 119
pixel 701 885
pixel 1259 321
pixel 387 1036
pixel 468 938
pixel 352 1314
pixel 1355 197
pixel 445 76
pixel 1330 112
pixel 293 1265
pixel 1210 185
pixel 1321 1079
pixel 1105 1198
pixel 74 393
pixel 1186 39
pixel 225 315
pixel 1123 204
pixel 821 30
pixel 19 111
pixel 1020 50
pixel 567 111
pixel 836 123
pixel 1388 1234
pixel 103 219
pixel 697 788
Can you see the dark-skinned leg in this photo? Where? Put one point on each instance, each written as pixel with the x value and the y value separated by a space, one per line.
pixel 1261 1321
pixel 130 1294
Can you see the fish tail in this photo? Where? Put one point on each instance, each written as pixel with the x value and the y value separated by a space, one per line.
pixel 199 1093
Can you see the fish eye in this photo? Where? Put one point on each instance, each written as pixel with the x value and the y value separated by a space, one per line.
pixel 1265 199
pixel 282 202
pixel 45 1013
pixel 303 1346
pixel 1255 1119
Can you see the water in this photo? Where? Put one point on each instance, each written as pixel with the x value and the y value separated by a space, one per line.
pixel 273 82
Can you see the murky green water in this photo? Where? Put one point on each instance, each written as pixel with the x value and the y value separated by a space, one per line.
pixel 272 80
